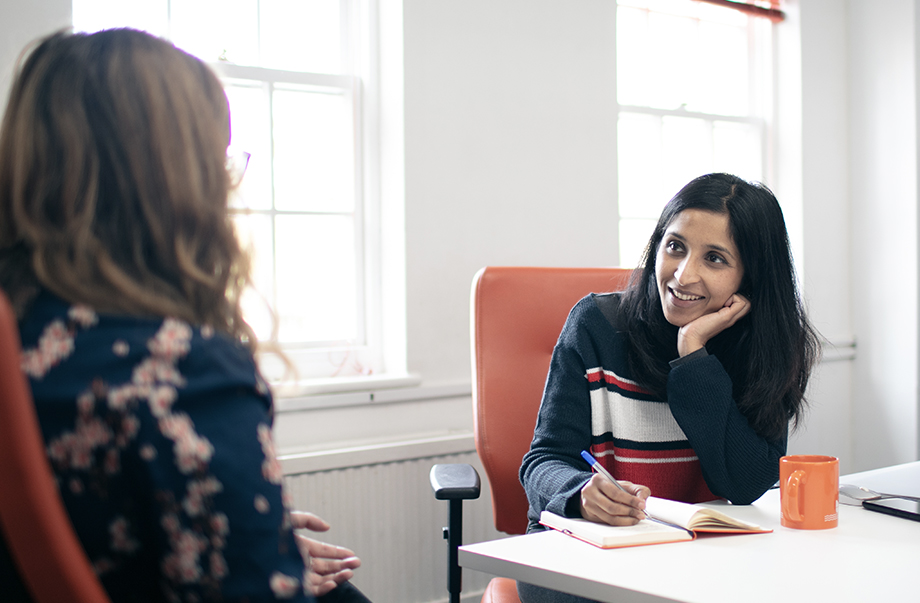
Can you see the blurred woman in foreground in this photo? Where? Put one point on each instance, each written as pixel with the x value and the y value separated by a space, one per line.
pixel 119 256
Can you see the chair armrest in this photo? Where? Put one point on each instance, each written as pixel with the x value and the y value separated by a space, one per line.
pixel 454 481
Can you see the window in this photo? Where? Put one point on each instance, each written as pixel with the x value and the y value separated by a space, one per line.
pixel 693 93
pixel 296 75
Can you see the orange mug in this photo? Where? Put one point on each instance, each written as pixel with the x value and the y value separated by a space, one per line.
pixel 808 487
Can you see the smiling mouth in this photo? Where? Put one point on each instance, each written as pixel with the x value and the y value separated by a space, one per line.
pixel 684 296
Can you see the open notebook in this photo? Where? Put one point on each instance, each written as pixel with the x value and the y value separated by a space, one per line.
pixel 671 521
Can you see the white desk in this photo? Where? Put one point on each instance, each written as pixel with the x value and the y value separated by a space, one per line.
pixel 868 557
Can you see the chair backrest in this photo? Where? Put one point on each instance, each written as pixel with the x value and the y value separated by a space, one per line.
pixel 517 315
pixel 41 539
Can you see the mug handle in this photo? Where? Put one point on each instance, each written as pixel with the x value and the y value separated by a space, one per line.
pixel 792 510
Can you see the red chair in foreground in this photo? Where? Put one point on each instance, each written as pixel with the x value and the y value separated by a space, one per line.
pixel 39 535
pixel 516 316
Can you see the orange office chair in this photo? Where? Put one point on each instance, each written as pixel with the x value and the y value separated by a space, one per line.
pixel 517 315
pixel 38 531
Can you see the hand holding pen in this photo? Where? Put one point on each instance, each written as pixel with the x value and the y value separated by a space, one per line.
pixel 605 500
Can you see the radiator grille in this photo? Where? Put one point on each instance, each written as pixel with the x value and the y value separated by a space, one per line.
pixel 388 515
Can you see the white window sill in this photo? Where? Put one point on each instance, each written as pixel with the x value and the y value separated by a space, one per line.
pixel 359 391
pixel 320 424
pixel 296 462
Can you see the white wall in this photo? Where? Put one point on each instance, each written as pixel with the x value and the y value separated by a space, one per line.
pixel 882 59
pixel 510 148
pixel 859 74
pixel 510 151
pixel 509 161
pixel 20 24
pixel 509 155
pixel 815 158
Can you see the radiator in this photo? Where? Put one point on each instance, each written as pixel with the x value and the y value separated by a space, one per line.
pixel 387 513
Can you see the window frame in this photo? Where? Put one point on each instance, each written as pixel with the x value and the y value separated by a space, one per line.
pixel 372 361
pixel 378 350
pixel 760 116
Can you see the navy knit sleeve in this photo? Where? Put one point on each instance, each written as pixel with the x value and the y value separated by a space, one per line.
pixel 553 471
pixel 737 463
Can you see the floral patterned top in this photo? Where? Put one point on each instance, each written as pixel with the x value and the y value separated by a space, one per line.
pixel 159 434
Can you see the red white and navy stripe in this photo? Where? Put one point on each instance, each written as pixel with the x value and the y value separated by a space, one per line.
pixel 636 438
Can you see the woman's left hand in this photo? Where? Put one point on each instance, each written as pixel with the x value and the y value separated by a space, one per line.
pixel 694 335
pixel 330 565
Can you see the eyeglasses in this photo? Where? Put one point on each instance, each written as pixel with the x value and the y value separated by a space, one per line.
pixel 236 167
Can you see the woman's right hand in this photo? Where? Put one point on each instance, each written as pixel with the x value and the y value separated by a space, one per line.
pixel 695 334
pixel 329 565
pixel 603 502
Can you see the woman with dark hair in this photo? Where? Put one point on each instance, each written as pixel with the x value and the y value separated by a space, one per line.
pixel 683 385
pixel 119 255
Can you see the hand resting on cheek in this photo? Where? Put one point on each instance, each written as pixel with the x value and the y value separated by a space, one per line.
pixel 694 335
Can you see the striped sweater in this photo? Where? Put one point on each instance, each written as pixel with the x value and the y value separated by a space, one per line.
pixel 696 446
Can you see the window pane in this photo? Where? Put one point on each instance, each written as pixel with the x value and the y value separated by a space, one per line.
pixel 657 156
pixel 722 79
pixel 634 235
pixel 673 7
pixel 149 15
pixel 685 71
pixel 249 132
pixel 656 59
pixel 634 67
pixel 316 278
pixel 298 209
pixel 639 151
pixel 294 35
pixel 314 156
pixel 255 234
pixel 720 14
pixel 687 152
pixel 217 29
pixel 301 35
pixel 677 60
pixel 737 150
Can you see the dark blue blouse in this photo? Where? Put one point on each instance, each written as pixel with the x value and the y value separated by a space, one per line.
pixel 159 434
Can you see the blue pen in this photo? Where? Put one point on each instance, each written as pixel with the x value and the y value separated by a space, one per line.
pixel 600 469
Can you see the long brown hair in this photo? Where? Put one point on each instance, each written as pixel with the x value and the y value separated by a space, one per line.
pixel 770 353
pixel 114 183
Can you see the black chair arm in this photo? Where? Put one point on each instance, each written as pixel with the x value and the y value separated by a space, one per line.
pixel 454 480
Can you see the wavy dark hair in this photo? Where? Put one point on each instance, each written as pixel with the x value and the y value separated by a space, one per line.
pixel 769 353
pixel 114 183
